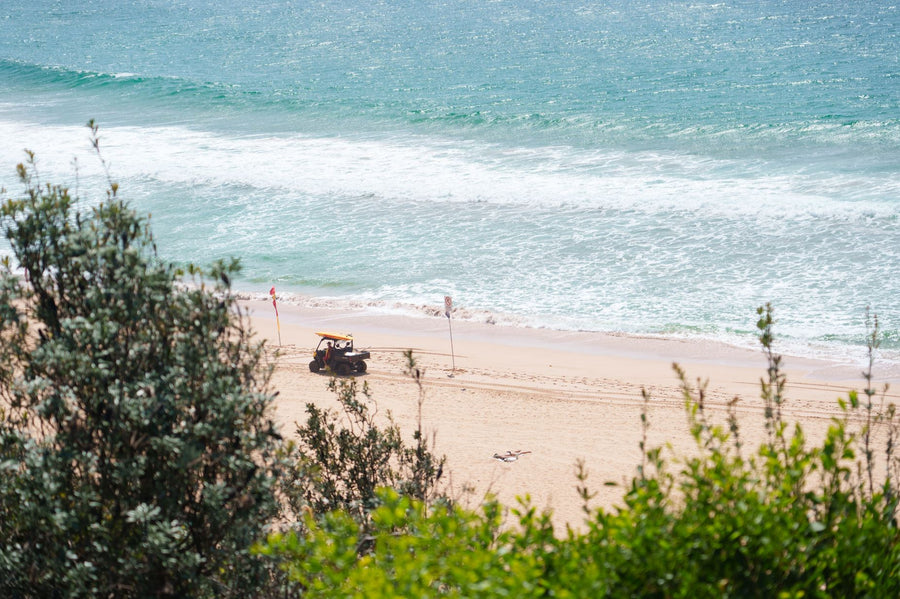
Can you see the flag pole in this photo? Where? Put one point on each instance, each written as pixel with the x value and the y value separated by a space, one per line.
pixel 448 305
pixel 277 322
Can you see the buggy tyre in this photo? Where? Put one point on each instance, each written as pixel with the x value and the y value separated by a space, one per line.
pixel 314 366
pixel 361 366
pixel 343 369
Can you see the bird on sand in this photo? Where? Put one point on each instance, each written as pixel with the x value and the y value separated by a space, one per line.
pixel 509 456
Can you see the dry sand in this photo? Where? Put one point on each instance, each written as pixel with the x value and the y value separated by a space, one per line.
pixel 563 396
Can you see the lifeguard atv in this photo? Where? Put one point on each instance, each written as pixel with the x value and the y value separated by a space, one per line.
pixel 343 359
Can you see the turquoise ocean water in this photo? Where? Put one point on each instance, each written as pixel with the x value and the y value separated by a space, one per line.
pixel 648 167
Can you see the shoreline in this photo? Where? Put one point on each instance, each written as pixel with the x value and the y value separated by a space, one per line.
pixel 563 396
pixel 676 348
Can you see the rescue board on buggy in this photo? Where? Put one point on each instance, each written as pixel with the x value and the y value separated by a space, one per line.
pixel 336 352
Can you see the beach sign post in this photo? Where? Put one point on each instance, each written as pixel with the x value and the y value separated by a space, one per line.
pixel 448 305
pixel 275 305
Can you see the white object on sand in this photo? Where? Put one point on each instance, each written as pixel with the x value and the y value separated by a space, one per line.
pixel 509 456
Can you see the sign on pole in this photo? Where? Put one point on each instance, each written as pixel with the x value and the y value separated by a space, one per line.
pixel 448 306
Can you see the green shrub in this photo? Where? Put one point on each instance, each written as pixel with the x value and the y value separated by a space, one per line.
pixel 343 458
pixel 136 450
pixel 418 552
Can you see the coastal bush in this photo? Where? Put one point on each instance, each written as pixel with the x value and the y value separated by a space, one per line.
pixel 137 456
pixel 344 457
pixel 789 519
pixel 417 551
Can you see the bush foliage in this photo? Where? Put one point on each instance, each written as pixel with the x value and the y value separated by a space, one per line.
pixel 344 457
pixel 136 453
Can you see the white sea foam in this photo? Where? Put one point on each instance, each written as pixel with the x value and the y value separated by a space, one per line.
pixel 415 169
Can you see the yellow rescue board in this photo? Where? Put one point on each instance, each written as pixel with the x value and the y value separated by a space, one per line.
pixel 336 336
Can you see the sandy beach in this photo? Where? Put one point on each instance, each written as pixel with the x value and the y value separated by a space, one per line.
pixel 562 396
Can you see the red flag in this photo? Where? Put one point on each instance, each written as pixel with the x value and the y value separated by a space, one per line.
pixel 274 304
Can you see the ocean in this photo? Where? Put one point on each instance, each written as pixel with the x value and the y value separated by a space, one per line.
pixel 650 167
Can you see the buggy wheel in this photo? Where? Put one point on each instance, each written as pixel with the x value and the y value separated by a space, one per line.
pixel 314 366
pixel 343 369
pixel 360 366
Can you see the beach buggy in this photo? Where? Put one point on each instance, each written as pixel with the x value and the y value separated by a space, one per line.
pixel 336 352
